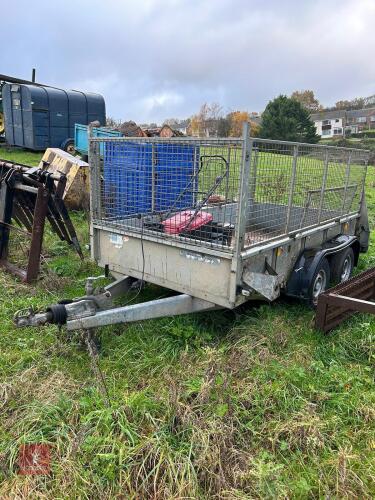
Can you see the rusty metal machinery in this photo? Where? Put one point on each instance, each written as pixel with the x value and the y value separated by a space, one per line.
pixel 342 301
pixel 29 196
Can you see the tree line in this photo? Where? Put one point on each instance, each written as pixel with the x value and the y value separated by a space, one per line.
pixel 284 118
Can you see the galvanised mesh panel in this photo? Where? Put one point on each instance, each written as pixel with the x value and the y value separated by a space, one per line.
pixel 185 190
pixel 189 190
pixel 298 186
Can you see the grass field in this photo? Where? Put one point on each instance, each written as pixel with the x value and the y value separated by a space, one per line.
pixel 218 405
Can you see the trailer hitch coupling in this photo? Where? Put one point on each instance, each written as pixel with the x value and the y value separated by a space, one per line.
pixel 57 314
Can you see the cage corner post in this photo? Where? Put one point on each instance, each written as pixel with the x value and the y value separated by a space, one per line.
pixel 242 211
pixel 94 183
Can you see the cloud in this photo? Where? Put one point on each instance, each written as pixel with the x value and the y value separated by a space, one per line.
pixel 157 101
pixel 152 60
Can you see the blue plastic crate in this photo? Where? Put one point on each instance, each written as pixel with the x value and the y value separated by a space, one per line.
pixel 128 177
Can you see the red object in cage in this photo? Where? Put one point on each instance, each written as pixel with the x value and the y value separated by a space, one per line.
pixel 186 221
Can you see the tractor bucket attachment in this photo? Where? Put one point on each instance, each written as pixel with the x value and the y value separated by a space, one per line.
pixel 29 196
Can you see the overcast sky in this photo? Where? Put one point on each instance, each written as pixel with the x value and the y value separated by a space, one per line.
pixel 156 59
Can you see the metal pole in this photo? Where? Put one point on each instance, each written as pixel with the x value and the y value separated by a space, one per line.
pixel 94 169
pixel 347 177
pixel 291 191
pixel 152 177
pixel 41 206
pixel 324 183
pixel 33 75
pixel 242 210
pixel 243 201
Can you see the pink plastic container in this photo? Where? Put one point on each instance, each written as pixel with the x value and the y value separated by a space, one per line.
pixel 180 222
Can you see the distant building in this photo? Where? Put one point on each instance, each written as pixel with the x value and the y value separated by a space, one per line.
pixel 131 129
pixel 164 131
pixel 360 120
pixel 182 127
pixel 167 131
pixel 341 122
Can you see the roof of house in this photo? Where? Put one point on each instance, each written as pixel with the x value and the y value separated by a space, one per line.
pixel 356 113
pixel 152 132
pixel 182 125
pixel 342 113
pixel 155 132
pixel 328 115
pixel 130 129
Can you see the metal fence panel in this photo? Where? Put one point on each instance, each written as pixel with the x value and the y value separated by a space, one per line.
pixel 299 186
pixel 182 189
pixel 188 190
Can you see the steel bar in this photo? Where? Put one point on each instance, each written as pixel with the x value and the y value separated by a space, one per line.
pixel 171 306
pixel 347 180
pixel 343 300
pixel 235 140
pixel 323 188
pixel 41 205
pixel 291 189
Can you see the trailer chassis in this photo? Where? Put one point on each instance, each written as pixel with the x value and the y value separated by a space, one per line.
pixel 96 309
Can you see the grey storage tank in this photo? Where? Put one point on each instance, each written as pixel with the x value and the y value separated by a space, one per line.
pixel 37 117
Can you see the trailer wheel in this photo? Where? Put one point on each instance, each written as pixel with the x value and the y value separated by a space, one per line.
pixel 319 281
pixel 68 146
pixel 342 265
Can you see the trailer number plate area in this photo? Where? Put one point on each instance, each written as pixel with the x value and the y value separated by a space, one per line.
pixel 199 257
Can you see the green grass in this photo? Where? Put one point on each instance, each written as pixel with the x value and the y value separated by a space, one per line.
pixel 20 156
pixel 252 404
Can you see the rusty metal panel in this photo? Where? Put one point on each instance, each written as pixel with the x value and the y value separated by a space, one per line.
pixel 29 196
pixel 342 301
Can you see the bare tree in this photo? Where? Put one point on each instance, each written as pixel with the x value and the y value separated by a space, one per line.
pixel 206 122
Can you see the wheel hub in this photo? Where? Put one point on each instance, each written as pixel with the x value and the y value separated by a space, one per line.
pixel 320 284
pixel 346 269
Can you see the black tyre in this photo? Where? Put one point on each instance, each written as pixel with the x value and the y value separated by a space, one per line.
pixel 342 265
pixel 319 282
pixel 68 146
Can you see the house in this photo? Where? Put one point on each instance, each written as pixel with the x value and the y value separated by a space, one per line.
pixel 360 120
pixel 167 131
pixel 341 122
pixel 182 127
pixel 131 129
pixel 164 131
pixel 329 123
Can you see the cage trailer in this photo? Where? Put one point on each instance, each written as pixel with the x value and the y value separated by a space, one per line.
pixel 217 221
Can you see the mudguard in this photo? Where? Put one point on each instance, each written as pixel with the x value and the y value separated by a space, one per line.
pixel 307 263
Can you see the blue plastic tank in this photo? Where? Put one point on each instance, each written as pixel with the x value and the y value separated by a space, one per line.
pixel 39 117
pixel 128 174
